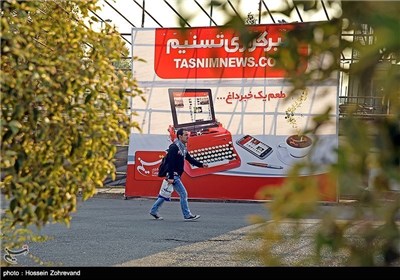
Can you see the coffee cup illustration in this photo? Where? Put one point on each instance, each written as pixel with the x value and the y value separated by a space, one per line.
pixel 298 146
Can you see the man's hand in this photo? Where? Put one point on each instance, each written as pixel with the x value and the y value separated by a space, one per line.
pixel 170 181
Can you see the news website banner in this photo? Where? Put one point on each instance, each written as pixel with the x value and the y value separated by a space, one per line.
pixel 236 104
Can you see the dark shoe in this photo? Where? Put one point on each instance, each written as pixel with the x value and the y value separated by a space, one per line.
pixel 157 217
pixel 192 218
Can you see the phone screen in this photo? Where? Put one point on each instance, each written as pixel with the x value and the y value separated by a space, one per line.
pixel 255 146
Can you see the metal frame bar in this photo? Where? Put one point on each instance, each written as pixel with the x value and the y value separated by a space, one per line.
pixel 233 8
pixel 119 13
pixel 298 12
pixel 178 14
pixel 126 40
pixel 147 13
pixel 204 11
pixel 269 12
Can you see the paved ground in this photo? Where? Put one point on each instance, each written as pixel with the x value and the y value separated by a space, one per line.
pixel 109 231
pixel 230 249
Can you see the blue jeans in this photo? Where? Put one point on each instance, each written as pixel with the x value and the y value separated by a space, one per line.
pixel 180 189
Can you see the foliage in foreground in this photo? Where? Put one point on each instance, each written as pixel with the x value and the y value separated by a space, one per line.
pixel 63 109
pixel 368 155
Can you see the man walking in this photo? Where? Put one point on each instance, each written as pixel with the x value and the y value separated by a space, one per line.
pixel 177 154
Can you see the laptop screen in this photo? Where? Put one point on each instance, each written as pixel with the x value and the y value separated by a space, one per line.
pixel 192 109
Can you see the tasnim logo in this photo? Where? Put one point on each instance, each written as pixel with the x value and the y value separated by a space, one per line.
pixel 9 256
pixel 212 52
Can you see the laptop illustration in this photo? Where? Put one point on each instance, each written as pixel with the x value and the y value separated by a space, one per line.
pixel 192 109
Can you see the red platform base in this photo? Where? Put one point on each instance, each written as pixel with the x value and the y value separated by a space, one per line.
pixel 221 187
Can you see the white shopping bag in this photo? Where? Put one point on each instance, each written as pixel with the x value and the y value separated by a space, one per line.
pixel 166 190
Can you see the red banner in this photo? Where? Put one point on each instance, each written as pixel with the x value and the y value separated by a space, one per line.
pixel 215 52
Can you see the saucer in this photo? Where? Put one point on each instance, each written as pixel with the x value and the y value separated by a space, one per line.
pixel 284 156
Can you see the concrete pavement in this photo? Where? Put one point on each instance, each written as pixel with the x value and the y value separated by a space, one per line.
pixel 227 250
pixel 109 231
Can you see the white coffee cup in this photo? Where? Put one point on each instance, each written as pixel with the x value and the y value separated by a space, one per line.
pixel 298 146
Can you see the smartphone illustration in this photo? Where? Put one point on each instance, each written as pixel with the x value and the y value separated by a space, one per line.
pixel 254 146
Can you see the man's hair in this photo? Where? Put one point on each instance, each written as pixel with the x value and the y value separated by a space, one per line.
pixel 179 132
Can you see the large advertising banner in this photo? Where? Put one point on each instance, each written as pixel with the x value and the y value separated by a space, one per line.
pixel 235 103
